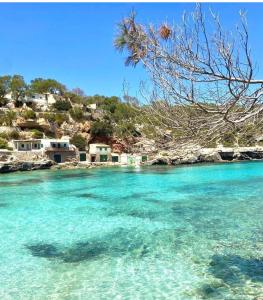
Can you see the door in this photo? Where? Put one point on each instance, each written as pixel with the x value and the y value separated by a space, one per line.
pixel 103 158
pixel 82 157
pixel 115 159
pixel 57 158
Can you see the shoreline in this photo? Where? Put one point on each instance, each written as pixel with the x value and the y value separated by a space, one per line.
pixel 12 167
pixel 186 156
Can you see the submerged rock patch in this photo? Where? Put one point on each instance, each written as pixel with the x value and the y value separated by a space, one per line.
pixel 43 250
pixel 118 243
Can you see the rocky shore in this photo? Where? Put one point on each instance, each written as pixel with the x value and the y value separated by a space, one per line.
pixel 208 155
pixel 7 167
pixel 188 155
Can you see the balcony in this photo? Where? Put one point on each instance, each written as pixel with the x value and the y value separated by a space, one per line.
pixel 61 149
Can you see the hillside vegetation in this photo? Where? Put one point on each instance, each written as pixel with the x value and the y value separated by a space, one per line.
pixel 115 120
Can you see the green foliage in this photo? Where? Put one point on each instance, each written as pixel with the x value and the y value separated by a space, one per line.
pixel 4 144
pixel 119 117
pixel 51 117
pixel 4 89
pixel 10 135
pixel 209 144
pixel 125 129
pixel 7 118
pixel 36 134
pixel 61 118
pixel 58 118
pixel 18 88
pixel 28 114
pixel 74 98
pixel 229 139
pixel 79 141
pixel 62 105
pixel 41 86
pixel 247 136
pixel 76 113
pixel 101 128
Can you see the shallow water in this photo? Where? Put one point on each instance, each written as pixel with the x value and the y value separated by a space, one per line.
pixel 193 232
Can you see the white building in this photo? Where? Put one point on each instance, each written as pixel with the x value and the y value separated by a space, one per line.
pixel 99 152
pixel 42 100
pixel 59 150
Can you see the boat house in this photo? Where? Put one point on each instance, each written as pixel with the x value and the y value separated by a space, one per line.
pixel 99 152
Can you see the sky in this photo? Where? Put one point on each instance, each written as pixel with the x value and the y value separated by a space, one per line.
pixel 73 42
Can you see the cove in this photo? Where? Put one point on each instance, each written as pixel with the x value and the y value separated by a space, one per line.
pixel 188 232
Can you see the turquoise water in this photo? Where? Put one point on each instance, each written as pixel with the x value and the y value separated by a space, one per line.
pixel 191 232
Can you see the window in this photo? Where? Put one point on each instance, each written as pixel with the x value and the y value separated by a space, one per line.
pixel 105 149
pixel 65 145
pixel 42 146
pixel 35 145
pixel 100 149
pixel 53 145
pixel 22 145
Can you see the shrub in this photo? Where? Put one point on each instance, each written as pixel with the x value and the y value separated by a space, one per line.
pixel 62 105
pixel 36 134
pixel 228 139
pixel 13 135
pixel 101 128
pixel 49 117
pixel 7 118
pixel 61 118
pixel 28 114
pixel 76 113
pixel 4 144
pixel 79 141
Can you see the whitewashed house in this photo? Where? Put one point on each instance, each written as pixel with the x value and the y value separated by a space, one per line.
pixel 41 100
pixel 99 152
pixel 59 150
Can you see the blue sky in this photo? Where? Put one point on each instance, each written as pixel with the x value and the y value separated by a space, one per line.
pixel 73 42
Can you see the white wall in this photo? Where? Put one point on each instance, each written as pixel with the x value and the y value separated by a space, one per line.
pixel 99 149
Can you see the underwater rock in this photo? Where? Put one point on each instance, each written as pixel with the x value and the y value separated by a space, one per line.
pixel 43 250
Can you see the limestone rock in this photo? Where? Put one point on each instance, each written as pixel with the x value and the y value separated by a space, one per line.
pixel 7 167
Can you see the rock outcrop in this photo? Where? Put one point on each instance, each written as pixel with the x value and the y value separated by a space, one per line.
pixel 207 155
pixel 6 167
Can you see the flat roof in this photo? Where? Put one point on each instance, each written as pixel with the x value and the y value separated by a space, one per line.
pixel 100 145
pixel 35 140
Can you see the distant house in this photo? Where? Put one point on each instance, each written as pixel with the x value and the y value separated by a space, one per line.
pixel 92 106
pixel 27 145
pixel 132 159
pixel 43 100
pixel 59 150
pixel 99 152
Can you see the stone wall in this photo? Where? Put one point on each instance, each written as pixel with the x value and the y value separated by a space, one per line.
pixel 28 155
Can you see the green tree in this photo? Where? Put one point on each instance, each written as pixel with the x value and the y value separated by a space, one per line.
pixel 76 113
pixel 41 86
pixel 18 88
pixel 101 128
pixel 79 141
pixel 62 105
pixel 4 88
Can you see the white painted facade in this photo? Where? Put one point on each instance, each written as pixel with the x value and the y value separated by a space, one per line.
pixel 39 99
pixel 40 144
pixel 101 149
pixel 92 106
